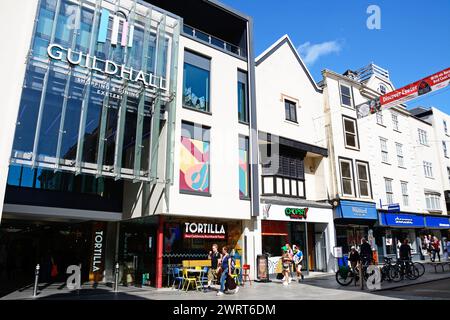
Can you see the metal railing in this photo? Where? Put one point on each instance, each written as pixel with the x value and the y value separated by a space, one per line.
pixel 214 41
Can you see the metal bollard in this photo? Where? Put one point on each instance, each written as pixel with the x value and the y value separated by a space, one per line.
pixel 36 280
pixel 116 278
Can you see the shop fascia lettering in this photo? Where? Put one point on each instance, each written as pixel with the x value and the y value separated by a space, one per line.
pixel 296 213
pixel 98 249
pixel 205 228
pixel 85 60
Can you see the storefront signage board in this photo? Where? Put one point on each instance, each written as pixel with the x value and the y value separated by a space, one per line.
pixel 194 230
pixel 296 213
pixel 438 222
pixel 402 220
pixel 357 210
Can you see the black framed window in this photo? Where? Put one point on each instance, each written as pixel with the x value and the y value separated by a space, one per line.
pixel 290 108
pixel 196 82
pixel 350 133
pixel 242 96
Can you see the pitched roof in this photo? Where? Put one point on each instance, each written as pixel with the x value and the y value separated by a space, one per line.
pixel 277 45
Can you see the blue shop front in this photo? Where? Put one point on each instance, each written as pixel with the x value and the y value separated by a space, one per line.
pixel 354 220
pixel 394 228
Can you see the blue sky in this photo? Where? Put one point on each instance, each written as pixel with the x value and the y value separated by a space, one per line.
pixel 413 42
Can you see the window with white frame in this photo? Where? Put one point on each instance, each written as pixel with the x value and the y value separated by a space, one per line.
pixel 350 133
pixel 400 159
pixel 428 169
pixel 395 122
pixel 347 177
pixel 382 88
pixel 346 96
pixel 389 192
pixel 384 150
pixel 445 126
pixel 405 195
pixel 423 139
pixel 380 118
pixel 444 147
pixel 433 201
pixel 362 170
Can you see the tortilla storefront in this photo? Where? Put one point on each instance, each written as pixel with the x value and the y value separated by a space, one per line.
pixel 192 239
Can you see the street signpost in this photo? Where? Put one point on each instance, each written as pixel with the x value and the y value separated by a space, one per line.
pixel 393 208
pixel 407 93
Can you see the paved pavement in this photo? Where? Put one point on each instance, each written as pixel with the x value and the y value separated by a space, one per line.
pixel 318 286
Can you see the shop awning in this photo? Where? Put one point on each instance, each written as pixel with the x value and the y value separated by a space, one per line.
pixel 437 222
pixel 403 220
pixel 356 210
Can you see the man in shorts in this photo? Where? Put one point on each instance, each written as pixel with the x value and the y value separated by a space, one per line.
pixel 215 257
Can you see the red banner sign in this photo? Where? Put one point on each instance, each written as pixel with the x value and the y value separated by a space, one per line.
pixel 426 85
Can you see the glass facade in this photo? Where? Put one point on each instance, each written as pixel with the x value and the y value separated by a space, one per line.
pixel 97 79
pixel 242 96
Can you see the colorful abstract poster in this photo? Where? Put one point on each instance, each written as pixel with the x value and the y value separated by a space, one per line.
pixel 243 174
pixel 194 165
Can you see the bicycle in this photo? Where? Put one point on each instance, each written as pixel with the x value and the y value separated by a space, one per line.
pixel 346 275
pixel 406 268
pixel 389 271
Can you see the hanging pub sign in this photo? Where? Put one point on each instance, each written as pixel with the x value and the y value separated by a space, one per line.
pixel 194 230
pixel 296 213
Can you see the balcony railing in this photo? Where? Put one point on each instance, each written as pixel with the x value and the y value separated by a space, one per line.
pixel 214 41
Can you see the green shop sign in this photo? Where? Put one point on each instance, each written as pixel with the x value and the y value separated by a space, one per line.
pixel 296 213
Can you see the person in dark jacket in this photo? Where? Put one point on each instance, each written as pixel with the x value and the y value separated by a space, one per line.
pixel 365 252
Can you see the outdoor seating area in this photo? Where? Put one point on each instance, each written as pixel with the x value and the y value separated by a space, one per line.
pixel 193 275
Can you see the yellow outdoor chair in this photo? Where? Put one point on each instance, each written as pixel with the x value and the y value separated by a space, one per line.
pixel 188 280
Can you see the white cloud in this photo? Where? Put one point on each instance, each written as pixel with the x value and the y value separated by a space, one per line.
pixel 310 53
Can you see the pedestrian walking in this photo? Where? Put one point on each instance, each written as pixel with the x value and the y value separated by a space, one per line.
pixel 365 252
pixel 298 258
pixel 445 248
pixel 215 257
pixel 353 258
pixel 436 248
pixel 226 269
pixel 286 261
pixel 448 247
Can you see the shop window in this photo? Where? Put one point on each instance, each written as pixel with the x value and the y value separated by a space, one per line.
pixel 346 96
pixel 196 82
pixel 362 169
pixel 347 177
pixel 242 96
pixel 244 168
pixel 195 159
pixel 350 133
